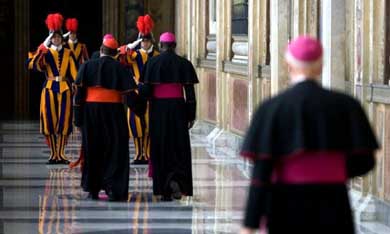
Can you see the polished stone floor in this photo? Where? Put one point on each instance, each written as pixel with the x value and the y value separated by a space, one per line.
pixel 36 198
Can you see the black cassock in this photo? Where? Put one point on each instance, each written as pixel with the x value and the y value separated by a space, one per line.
pixel 169 120
pixel 309 128
pixel 104 128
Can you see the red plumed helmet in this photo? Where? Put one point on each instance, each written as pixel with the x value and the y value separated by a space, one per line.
pixel 72 25
pixel 145 24
pixel 54 22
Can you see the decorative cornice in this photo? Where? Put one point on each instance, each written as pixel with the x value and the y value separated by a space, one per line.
pixel 212 37
pixel 376 93
pixel 206 63
pixel 236 68
pixel 379 93
pixel 240 38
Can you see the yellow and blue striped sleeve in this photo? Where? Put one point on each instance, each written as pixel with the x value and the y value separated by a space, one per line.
pixel 36 61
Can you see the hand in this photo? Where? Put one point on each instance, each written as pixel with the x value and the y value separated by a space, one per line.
pixel 42 49
pixel 245 230
pixel 134 44
pixel 46 43
pixel 122 49
pixel 191 124
pixel 74 88
pixel 66 34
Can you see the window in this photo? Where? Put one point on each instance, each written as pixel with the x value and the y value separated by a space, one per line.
pixel 240 17
pixel 212 16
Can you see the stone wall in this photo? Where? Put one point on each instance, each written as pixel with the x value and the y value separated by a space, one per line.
pixel 354 33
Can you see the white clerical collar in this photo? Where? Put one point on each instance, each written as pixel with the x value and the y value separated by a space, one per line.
pixel 56 48
pixel 73 42
pixel 300 78
pixel 297 79
pixel 147 51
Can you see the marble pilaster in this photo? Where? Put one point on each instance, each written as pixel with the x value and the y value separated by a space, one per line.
pixel 311 17
pixel 223 39
pixel 350 48
pixel 256 38
pixel 333 38
pixel 111 17
pixel 298 16
pixel 279 38
pixel 21 75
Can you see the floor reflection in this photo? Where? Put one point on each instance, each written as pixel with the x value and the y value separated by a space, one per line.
pixel 37 198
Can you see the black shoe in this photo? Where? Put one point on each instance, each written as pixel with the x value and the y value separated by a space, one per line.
pixel 140 162
pixel 166 198
pixel 175 188
pixel 63 161
pixel 93 196
pixel 116 199
pixel 51 162
pixel 111 196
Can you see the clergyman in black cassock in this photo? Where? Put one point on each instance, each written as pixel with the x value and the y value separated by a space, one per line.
pixel 305 143
pixel 172 113
pixel 102 86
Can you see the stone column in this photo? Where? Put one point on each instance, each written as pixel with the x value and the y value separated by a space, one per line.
pixel 298 16
pixel 111 17
pixel 255 36
pixel 365 47
pixel 190 36
pixel 195 32
pixel 279 38
pixel 181 27
pixel 201 31
pixel 21 30
pixel 223 39
pixel 311 26
pixel 211 24
pixel 350 51
pixel 333 39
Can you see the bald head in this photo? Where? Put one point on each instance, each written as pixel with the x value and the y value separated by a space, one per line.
pixel 304 57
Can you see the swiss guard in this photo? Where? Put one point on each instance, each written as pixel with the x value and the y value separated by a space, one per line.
pixel 135 55
pixel 59 66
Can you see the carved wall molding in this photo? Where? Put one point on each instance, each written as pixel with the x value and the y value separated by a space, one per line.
pixel 240 49
pixel 211 47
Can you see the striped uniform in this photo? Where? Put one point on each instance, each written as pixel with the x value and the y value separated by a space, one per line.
pixel 139 126
pixel 79 50
pixel 56 96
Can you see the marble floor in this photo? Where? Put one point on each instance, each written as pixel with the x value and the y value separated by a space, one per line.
pixel 37 198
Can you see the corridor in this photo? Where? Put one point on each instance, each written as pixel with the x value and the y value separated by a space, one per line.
pixel 36 198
